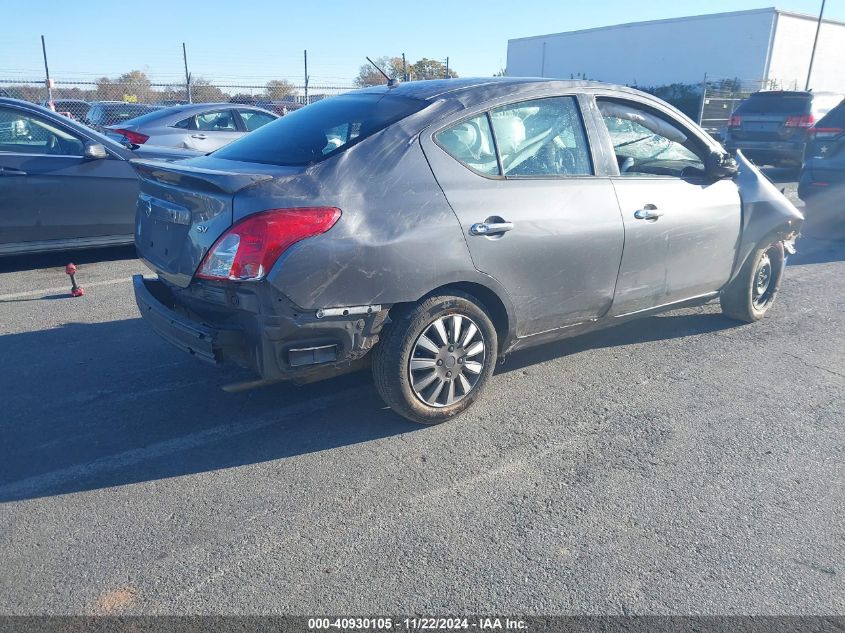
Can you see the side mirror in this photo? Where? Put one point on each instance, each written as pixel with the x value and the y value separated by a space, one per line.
pixel 720 165
pixel 94 151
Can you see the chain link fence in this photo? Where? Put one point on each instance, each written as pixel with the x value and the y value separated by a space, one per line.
pixel 721 97
pixel 75 98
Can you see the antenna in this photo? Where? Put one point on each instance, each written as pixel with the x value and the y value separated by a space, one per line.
pixel 390 82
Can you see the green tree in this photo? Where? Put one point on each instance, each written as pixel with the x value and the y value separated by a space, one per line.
pixel 430 69
pixel 203 91
pixel 278 89
pixel 135 86
pixel 369 76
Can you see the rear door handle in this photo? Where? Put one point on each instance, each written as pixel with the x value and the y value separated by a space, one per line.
pixel 490 228
pixel 648 212
pixel 8 171
pixel 199 136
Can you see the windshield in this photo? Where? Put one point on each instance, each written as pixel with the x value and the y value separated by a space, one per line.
pixel 320 130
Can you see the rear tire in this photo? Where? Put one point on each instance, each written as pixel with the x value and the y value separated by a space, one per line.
pixel 751 294
pixel 434 359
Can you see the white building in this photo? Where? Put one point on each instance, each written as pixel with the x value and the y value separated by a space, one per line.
pixel 762 44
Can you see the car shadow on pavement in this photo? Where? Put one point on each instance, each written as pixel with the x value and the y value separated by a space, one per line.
pixel 58 259
pixel 655 328
pixel 817 251
pixel 90 406
pixel 97 405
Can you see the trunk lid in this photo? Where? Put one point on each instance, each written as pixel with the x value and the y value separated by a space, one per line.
pixel 184 207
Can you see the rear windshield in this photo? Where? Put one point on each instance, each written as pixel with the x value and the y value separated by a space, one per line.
pixel 154 115
pixel 775 104
pixel 320 130
pixel 106 114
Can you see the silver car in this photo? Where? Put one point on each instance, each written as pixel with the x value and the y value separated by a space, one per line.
pixel 203 127
pixel 431 228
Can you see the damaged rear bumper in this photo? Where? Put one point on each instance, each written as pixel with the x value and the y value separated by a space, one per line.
pixel 254 327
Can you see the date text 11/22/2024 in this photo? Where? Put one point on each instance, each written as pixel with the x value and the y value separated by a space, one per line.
pixel 415 624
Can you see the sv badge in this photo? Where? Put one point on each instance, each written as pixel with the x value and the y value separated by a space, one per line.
pixel 202 228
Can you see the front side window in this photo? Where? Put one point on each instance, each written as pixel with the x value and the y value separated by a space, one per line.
pixel 646 144
pixel 470 142
pixel 542 138
pixel 23 133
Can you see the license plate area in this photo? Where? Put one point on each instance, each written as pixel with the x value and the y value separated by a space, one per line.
pixel 161 231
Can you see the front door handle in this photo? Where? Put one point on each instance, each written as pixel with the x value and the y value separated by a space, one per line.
pixel 490 228
pixel 8 171
pixel 648 212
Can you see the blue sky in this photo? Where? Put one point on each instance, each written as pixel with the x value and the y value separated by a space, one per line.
pixel 255 40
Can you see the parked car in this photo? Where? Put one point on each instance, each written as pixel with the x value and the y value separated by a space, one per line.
pixel 771 127
pixel 822 182
pixel 76 109
pixel 105 113
pixel 62 185
pixel 435 226
pixel 204 127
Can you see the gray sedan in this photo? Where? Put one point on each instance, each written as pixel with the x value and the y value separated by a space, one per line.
pixel 63 185
pixel 433 227
pixel 203 127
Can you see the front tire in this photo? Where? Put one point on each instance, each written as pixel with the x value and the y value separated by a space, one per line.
pixel 435 358
pixel 751 294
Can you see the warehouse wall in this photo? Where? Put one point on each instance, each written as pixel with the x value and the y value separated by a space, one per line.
pixel 652 53
pixel 793 45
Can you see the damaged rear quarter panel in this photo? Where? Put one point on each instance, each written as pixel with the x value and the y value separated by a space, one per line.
pixel 766 212
pixel 397 237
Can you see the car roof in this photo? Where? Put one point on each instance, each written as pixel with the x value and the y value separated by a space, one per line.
pixel 473 91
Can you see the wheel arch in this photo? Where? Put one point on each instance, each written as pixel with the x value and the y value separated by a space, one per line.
pixel 495 302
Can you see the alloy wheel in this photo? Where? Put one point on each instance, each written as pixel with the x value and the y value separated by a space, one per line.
pixel 447 360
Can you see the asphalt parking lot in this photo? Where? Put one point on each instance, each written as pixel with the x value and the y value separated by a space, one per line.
pixel 679 464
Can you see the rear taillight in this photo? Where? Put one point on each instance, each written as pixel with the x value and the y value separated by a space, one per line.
pixel 249 249
pixel 736 121
pixel 805 120
pixel 136 138
pixel 825 132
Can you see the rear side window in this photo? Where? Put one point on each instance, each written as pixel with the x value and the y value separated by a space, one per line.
pixel 218 121
pixel 321 129
pixel 775 104
pixel 470 142
pixel 543 137
pixel 253 119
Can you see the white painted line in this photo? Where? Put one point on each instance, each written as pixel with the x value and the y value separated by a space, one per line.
pixel 65 288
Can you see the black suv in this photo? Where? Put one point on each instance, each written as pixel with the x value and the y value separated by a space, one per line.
pixel 771 127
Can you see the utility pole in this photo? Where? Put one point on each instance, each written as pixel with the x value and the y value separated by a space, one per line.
pixel 447 68
pixel 305 56
pixel 404 69
pixel 48 81
pixel 187 74
pixel 815 43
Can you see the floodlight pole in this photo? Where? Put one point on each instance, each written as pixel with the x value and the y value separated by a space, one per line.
pixel 187 74
pixel 815 43
pixel 305 58
pixel 47 71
